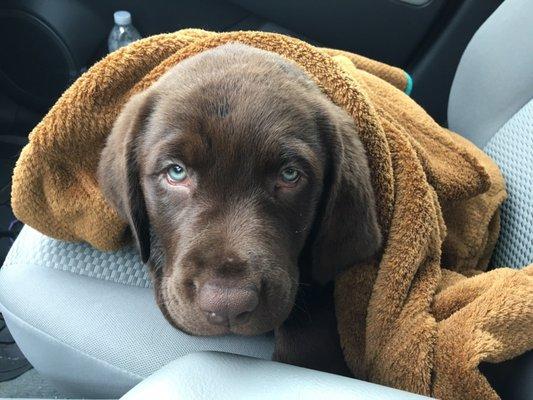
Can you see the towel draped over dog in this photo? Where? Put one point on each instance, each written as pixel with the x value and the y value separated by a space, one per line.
pixel 422 315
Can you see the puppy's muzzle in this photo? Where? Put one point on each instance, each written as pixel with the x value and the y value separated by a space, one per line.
pixel 227 302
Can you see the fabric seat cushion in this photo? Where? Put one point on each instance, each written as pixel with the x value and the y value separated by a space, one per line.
pixel 512 148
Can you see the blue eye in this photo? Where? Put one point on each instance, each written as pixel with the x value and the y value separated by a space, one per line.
pixel 290 175
pixel 176 173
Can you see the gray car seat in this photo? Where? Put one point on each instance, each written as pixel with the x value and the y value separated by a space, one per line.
pixel 87 320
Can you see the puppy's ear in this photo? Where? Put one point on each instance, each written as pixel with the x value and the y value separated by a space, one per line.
pixel 118 169
pixel 348 230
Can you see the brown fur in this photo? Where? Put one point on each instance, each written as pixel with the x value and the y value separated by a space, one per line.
pixel 234 116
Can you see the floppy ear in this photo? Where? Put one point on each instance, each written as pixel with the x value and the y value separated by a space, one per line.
pixel 118 169
pixel 348 230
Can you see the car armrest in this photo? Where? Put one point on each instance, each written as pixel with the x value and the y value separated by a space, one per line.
pixel 212 375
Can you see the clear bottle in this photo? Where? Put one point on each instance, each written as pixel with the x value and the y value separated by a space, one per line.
pixel 123 33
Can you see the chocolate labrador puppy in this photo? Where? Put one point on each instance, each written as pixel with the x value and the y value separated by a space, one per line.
pixel 246 190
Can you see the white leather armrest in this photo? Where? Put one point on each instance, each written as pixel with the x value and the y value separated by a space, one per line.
pixel 211 375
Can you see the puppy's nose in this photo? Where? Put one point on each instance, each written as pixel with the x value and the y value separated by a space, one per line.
pixel 226 302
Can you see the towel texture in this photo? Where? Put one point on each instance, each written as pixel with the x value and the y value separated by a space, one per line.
pixel 423 314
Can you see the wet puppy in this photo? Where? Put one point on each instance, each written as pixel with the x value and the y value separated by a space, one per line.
pixel 244 187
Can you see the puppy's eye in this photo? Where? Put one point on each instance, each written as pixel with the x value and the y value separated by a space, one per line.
pixel 290 176
pixel 176 174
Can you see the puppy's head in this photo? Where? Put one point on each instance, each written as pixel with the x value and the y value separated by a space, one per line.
pixel 228 169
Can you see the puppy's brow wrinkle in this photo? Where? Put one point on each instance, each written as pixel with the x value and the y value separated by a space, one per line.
pixel 222 108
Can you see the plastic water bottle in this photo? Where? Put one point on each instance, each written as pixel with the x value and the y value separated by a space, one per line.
pixel 123 33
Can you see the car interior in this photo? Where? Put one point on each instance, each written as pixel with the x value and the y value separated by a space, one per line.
pixel 77 322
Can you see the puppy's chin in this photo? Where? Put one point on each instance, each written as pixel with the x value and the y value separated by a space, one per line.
pixel 251 328
pixel 213 330
pixel 196 324
pixel 200 327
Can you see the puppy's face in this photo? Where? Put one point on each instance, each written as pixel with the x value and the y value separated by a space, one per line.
pixel 226 169
pixel 232 171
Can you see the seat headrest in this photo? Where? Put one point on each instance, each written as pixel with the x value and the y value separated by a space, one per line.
pixel 494 79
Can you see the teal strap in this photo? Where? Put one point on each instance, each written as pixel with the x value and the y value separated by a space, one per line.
pixel 409 86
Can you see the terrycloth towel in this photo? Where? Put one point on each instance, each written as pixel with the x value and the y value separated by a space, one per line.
pixel 404 320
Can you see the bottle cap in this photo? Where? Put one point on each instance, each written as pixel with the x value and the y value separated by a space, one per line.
pixel 122 17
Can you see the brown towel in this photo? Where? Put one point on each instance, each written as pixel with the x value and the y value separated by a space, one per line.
pixel 404 320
